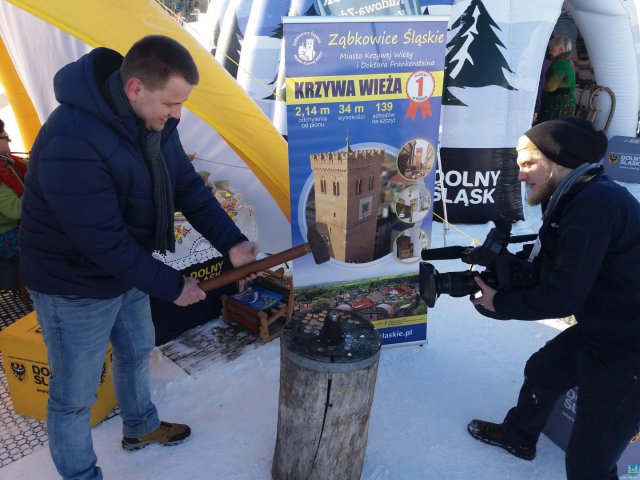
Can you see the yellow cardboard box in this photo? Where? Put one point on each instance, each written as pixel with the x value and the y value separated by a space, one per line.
pixel 24 356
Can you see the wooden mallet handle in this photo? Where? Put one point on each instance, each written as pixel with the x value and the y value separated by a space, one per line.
pixel 315 245
pixel 258 266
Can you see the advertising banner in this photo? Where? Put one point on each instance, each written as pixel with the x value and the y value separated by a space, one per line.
pixel 560 424
pixel 622 161
pixel 363 112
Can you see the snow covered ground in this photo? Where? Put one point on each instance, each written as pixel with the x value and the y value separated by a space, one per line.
pixel 471 367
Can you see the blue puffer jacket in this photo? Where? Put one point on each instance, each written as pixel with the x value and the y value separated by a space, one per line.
pixel 87 211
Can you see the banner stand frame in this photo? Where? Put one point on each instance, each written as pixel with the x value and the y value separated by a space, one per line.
pixel 443 198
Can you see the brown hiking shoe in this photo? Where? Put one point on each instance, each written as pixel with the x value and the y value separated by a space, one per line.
pixel 492 433
pixel 166 434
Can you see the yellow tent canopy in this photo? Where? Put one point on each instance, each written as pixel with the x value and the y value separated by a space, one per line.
pixel 218 99
pixel 25 113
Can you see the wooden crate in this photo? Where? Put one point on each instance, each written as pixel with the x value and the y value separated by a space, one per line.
pixel 266 323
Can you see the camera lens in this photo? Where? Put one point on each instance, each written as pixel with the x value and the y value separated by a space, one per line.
pixel 457 284
pixel 434 284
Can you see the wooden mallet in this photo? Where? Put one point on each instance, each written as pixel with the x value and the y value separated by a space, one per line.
pixel 315 245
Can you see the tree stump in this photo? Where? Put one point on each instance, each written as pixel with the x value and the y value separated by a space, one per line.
pixel 328 369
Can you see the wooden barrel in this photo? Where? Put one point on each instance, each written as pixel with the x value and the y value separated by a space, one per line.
pixel 329 363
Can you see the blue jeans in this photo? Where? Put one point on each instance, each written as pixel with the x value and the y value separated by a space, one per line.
pixel 76 331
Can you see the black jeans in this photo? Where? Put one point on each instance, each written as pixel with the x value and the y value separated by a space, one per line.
pixel 607 410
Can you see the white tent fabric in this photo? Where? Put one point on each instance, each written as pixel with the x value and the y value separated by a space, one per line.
pixel 38 50
pixel 610 32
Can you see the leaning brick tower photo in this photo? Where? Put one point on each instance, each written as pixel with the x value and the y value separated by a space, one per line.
pixel 347 199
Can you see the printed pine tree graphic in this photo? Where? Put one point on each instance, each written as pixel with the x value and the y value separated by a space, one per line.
pixel 279 87
pixel 232 57
pixel 474 58
pixel 216 37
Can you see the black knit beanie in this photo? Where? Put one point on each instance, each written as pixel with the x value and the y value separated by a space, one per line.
pixel 569 141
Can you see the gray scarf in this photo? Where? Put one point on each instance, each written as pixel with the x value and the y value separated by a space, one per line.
pixel 164 238
pixel 566 184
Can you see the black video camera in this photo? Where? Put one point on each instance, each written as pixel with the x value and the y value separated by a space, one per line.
pixel 504 270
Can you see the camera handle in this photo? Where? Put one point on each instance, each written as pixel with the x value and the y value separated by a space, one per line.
pixel 523 238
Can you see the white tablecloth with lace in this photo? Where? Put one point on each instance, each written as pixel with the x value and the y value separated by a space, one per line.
pixel 192 248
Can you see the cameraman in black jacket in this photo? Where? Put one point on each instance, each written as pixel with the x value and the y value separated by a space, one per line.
pixel 588 258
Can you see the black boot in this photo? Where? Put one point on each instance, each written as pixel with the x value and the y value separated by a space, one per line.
pixel 492 433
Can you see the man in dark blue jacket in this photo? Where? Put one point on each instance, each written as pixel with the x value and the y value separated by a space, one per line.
pixel 107 172
pixel 588 257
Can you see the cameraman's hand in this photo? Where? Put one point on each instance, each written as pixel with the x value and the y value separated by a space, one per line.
pixel 485 300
